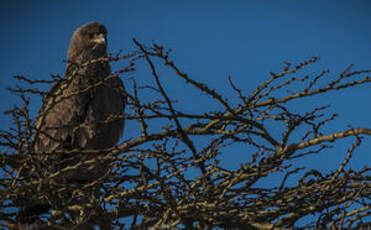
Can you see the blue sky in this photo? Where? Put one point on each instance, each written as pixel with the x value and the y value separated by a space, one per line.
pixel 210 40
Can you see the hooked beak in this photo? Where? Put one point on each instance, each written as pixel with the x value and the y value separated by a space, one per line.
pixel 99 39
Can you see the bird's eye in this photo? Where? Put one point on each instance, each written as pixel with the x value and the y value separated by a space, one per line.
pixel 91 35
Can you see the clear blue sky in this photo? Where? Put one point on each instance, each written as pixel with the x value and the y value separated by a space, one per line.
pixel 210 40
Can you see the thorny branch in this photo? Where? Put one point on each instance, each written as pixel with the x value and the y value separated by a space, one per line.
pixel 153 182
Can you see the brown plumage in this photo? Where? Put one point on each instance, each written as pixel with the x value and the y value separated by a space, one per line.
pixel 81 111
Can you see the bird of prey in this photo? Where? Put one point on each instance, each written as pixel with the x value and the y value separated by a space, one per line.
pixel 82 111
pixel 82 114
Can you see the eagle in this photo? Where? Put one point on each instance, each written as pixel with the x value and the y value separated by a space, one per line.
pixel 83 111
pixel 81 115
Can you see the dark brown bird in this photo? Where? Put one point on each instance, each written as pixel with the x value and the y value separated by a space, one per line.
pixel 81 112
pixel 84 97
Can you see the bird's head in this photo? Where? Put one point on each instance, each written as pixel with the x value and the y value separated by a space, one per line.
pixel 88 41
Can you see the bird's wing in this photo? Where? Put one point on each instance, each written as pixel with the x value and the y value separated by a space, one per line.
pixel 62 110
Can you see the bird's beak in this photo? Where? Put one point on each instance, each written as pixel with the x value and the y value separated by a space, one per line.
pixel 100 39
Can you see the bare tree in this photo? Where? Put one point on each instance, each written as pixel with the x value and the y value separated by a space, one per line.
pixel 169 175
